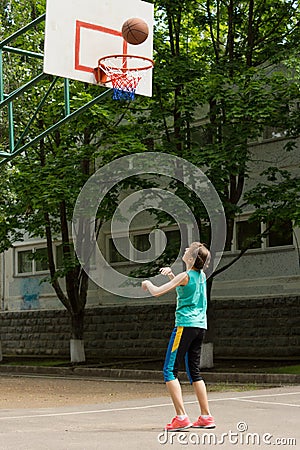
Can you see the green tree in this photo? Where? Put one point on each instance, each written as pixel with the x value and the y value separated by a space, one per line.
pixel 41 190
pixel 277 198
pixel 223 74
pixel 42 184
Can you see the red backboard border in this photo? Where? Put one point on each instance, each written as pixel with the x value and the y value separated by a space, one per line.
pixel 90 26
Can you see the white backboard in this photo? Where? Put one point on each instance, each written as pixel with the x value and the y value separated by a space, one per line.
pixel 79 32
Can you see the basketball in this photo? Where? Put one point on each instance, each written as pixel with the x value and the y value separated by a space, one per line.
pixel 135 31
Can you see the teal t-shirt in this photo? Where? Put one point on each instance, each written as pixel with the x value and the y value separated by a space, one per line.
pixel 192 301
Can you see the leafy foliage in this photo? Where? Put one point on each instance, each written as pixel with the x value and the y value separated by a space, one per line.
pixel 277 198
pixel 224 71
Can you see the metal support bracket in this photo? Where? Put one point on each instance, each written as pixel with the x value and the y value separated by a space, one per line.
pixel 6 99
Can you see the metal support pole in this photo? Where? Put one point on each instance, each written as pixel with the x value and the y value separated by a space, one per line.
pixel 38 108
pixel 22 30
pixel 11 128
pixel 20 51
pixel 1 77
pixel 54 127
pixel 67 96
pixel 22 89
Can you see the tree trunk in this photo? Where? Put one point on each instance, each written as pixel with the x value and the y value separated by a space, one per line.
pixel 1 352
pixel 210 333
pixel 229 233
pixel 207 351
pixel 77 352
pixel 207 355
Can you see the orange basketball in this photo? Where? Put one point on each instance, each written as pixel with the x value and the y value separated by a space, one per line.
pixel 135 31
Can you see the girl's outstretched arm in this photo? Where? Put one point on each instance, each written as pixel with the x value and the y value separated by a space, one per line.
pixel 179 280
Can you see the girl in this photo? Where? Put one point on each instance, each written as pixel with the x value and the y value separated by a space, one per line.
pixel 187 336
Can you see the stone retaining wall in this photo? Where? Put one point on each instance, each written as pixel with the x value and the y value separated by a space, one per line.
pixel 242 328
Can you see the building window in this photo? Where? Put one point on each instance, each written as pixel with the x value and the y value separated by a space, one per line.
pixel 24 261
pixel 173 243
pixel 280 234
pixel 60 255
pixel 32 261
pixel 247 234
pixel 114 255
pixel 41 259
pixel 205 232
pixel 140 242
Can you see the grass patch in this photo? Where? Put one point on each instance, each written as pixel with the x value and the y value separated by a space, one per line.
pixel 37 363
pixel 292 370
pixel 259 366
pixel 229 387
pixel 235 366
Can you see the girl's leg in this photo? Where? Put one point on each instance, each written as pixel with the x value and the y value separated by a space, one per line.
pixel 178 345
pixel 200 391
pixel 175 392
pixel 193 362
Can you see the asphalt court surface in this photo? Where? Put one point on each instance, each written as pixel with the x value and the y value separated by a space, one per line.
pixel 256 419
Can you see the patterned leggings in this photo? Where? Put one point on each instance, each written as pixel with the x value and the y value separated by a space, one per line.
pixel 184 346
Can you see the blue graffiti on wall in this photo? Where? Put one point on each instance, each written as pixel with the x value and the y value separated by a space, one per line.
pixel 30 291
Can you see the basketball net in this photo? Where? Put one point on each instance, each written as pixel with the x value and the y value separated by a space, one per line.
pixel 124 79
pixel 124 84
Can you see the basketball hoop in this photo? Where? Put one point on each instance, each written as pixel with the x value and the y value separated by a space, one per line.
pixel 124 72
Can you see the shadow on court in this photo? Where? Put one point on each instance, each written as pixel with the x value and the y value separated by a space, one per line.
pixel 264 418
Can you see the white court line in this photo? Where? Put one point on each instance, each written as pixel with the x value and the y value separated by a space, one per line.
pixel 259 396
pixel 74 413
pixel 269 403
pixel 134 408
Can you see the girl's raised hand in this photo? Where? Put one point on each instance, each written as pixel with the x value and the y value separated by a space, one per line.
pixel 167 271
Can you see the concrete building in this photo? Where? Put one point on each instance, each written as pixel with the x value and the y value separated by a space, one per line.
pixel 270 269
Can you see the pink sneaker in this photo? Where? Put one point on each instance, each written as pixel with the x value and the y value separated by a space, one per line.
pixel 204 422
pixel 178 425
